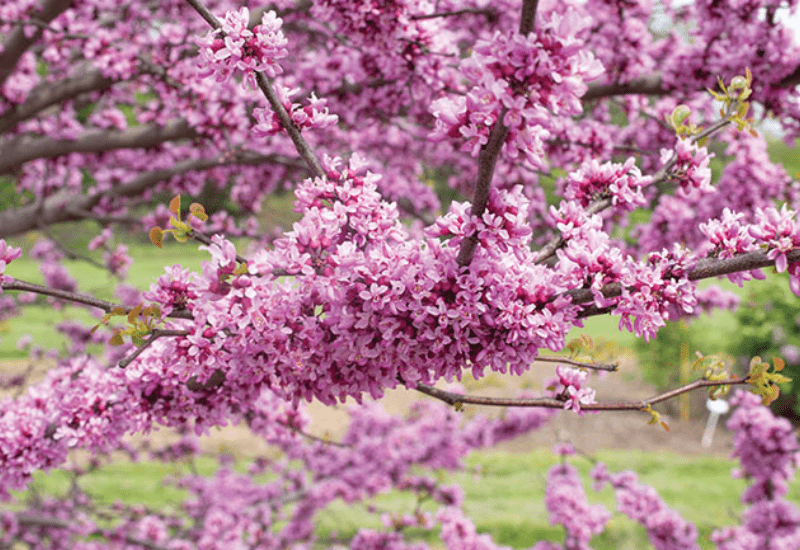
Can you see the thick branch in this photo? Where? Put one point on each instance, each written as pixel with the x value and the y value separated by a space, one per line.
pixel 61 207
pixel 50 93
pixel 487 160
pixel 21 150
pixel 528 17
pixel 652 85
pixel 18 43
pixel 648 85
pixel 552 403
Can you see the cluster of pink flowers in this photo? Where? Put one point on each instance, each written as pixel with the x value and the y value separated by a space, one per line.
pixel 570 386
pixel 566 502
pixel 665 527
pixel 769 454
pixel 7 255
pixel 656 291
pixel 313 115
pixel 691 169
pixel 593 181
pixel 235 48
pixel 529 79
pixel 775 231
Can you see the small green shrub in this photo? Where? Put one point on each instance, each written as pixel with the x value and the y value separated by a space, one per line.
pixel 769 326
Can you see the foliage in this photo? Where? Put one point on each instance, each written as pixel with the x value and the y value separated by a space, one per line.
pixel 768 327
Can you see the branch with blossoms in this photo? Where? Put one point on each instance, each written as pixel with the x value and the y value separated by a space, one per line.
pixel 686 164
pixel 269 45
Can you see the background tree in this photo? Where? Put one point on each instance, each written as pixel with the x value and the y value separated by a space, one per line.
pixel 582 139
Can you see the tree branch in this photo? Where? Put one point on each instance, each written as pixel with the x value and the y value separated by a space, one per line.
pixel 528 17
pixel 65 207
pixel 705 268
pixel 487 159
pixel 18 43
pixel 265 85
pixel 77 298
pixel 552 403
pixel 579 364
pixel 647 85
pixel 50 93
pixel 24 149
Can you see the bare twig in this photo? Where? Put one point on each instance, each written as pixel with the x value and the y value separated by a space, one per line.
pixel 579 364
pixel 77 298
pixel 552 403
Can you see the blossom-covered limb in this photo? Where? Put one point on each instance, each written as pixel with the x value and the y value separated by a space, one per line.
pixel 266 87
pixel 704 269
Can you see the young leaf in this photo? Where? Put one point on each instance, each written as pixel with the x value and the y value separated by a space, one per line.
pixel 157 237
pixel 175 206
pixel 116 340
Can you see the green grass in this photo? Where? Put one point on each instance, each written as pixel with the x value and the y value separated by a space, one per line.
pixel 39 320
pixel 504 494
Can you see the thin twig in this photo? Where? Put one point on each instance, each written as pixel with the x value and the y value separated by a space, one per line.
pixel 580 364
pixel 552 403
pixel 77 298
pixel 155 335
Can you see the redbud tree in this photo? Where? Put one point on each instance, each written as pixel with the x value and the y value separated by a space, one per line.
pixel 579 136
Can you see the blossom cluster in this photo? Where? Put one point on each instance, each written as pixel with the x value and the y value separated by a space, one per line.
pixel 665 527
pixel 235 48
pixel 313 115
pixel 7 255
pixel 520 81
pixel 769 455
pixel 593 181
pixel 567 505
pixel 776 231
pixel 691 165
pixel 275 504
pixel 570 385
pixel 656 291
